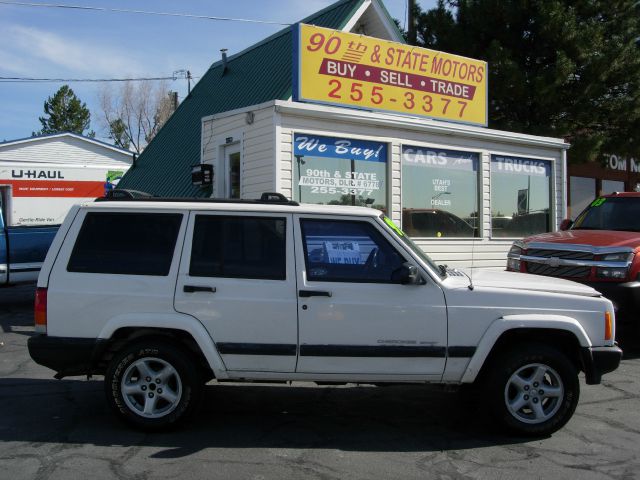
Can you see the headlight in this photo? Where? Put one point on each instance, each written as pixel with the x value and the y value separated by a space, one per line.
pixel 513 264
pixel 618 257
pixel 612 273
pixel 513 257
pixel 515 250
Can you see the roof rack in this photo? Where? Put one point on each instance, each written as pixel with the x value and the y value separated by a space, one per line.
pixel 270 198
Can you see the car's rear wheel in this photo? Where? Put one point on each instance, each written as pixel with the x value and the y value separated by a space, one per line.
pixel 533 389
pixel 152 384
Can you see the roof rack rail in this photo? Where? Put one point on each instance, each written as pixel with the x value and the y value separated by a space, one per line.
pixel 271 198
pixel 123 194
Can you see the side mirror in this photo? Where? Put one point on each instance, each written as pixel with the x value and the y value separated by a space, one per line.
pixel 566 224
pixel 407 274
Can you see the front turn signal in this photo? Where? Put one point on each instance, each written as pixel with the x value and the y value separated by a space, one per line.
pixel 608 326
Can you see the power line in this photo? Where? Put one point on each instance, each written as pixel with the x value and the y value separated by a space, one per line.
pixel 86 80
pixel 141 12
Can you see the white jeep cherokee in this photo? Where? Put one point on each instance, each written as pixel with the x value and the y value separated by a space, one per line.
pixel 160 296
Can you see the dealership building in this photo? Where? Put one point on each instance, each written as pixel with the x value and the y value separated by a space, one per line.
pixel 337 110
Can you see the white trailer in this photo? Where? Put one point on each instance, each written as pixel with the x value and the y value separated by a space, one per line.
pixel 42 177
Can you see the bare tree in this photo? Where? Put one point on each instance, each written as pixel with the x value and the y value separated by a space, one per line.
pixel 133 112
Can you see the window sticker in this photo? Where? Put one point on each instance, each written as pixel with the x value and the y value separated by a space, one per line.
pixel 597 202
pixel 340 171
pixel 343 253
pixel 393 226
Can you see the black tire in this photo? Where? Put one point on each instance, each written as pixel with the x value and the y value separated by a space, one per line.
pixel 513 379
pixel 176 385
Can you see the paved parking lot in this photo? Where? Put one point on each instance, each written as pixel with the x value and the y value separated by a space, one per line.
pixel 63 429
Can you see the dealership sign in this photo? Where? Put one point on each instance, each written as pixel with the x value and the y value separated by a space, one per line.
pixel 431 157
pixel 521 166
pixel 364 72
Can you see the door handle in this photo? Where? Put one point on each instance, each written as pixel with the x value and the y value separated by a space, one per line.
pixel 198 288
pixel 314 293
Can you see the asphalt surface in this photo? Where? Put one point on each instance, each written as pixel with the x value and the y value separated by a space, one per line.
pixel 62 429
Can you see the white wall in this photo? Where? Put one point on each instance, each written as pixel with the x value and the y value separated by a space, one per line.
pixel 485 252
pixel 63 150
pixel 267 161
pixel 257 147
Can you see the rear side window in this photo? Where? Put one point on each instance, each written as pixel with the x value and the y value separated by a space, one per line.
pixel 126 243
pixel 239 247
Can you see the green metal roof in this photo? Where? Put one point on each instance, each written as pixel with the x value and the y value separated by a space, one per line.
pixel 258 74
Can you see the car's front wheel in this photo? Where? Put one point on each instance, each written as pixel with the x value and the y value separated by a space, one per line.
pixel 152 384
pixel 533 389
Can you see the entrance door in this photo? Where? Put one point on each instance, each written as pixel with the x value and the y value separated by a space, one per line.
pixel 353 318
pixel 232 169
pixel 237 277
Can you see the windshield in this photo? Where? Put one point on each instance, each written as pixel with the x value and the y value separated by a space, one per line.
pixel 412 246
pixel 613 213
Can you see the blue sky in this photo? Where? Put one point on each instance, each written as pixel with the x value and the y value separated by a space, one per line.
pixel 62 43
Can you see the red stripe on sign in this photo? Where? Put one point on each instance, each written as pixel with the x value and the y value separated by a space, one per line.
pixel 385 76
pixel 55 188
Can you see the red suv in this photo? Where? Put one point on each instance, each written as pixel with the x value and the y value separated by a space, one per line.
pixel 601 249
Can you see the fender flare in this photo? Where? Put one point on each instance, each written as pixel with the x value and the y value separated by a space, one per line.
pixel 172 321
pixel 515 322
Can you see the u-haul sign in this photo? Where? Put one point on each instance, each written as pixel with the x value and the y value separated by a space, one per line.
pixel 42 194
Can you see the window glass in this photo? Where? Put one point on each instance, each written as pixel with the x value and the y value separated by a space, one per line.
pixel 340 171
pixel 345 251
pixel 520 196
pixel 439 192
pixel 126 243
pixel 239 247
pixel 616 213
pixel 610 186
pixel 412 246
pixel 582 193
pixel 234 175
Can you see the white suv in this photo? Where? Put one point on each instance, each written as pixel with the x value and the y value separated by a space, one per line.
pixel 161 296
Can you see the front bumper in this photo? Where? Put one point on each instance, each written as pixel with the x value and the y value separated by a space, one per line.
pixel 597 361
pixel 66 355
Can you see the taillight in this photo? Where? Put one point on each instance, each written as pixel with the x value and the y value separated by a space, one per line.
pixel 40 310
pixel 608 326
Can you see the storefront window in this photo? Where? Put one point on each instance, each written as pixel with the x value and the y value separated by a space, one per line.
pixel 439 192
pixel 582 191
pixel 610 186
pixel 520 196
pixel 340 171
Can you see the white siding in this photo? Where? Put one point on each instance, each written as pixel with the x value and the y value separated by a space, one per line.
pixel 482 253
pixel 63 150
pixel 257 146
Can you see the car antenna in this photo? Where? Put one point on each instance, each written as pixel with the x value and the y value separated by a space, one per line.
pixel 470 277
pixel 473 248
pixel 473 242
pixel 473 245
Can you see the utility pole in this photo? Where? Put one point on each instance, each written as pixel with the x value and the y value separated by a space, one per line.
pixel 184 74
pixel 412 34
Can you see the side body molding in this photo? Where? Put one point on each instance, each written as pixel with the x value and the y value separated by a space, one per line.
pixel 172 321
pixel 512 322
